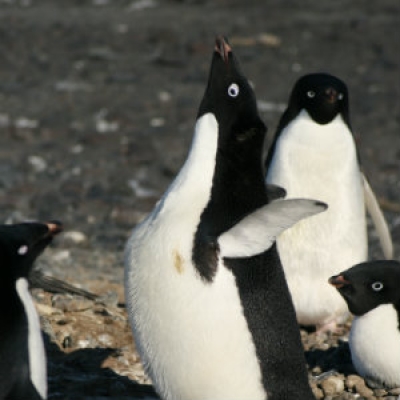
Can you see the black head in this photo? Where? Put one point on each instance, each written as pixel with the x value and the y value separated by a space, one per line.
pixel 231 99
pixel 368 285
pixel 21 244
pixel 323 96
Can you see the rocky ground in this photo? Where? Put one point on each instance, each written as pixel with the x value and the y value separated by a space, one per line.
pixel 97 104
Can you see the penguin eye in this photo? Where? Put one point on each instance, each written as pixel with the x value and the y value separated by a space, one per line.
pixel 310 94
pixel 22 250
pixel 340 96
pixel 233 90
pixel 377 286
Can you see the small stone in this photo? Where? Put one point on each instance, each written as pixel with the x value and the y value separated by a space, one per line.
pixel 26 123
pixel 269 40
pixel 332 385
pixel 83 343
pixel 318 393
pixel 39 164
pixel 157 122
pixel 363 390
pixel 104 126
pixel 74 237
pixel 380 392
pixel 105 339
pixel 352 380
pixel 164 96
pixel 44 309
pixel 62 256
pixel 77 303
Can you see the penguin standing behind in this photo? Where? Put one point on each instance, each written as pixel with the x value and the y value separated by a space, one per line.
pixel 205 291
pixel 313 155
pixel 372 293
pixel 22 357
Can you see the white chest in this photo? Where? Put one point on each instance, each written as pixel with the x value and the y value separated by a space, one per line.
pixel 312 159
pixel 375 345
pixel 320 162
pixel 191 335
pixel 37 359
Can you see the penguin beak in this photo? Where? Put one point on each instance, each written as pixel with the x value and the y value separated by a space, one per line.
pixel 331 95
pixel 54 227
pixel 222 48
pixel 338 281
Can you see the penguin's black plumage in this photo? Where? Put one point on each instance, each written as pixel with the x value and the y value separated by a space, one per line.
pixel 206 294
pixel 22 358
pixel 371 290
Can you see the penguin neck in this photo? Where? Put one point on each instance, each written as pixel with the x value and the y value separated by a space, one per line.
pixel 194 181
pixel 238 187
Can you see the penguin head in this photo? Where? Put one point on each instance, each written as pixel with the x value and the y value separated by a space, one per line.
pixel 21 244
pixel 230 98
pixel 368 285
pixel 323 96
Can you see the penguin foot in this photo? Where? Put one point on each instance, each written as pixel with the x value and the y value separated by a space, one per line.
pixel 373 383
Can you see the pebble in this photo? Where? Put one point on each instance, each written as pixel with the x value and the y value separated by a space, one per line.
pixel 353 380
pixel 76 303
pixel 26 123
pixel 157 122
pixel 46 310
pixel 363 390
pixel 39 164
pixel 104 126
pixel 332 385
pixel 74 237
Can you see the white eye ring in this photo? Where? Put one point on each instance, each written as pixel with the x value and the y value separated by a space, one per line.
pixel 233 90
pixel 311 94
pixel 377 286
pixel 23 250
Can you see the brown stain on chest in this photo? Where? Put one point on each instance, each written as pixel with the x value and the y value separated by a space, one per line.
pixel 178 262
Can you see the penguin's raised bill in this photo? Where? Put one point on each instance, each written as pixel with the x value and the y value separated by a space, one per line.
pixel 206 294
pixel 313 155
pixel 371 291
pixel 22 357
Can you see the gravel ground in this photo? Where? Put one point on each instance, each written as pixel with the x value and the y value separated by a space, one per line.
pixel 97 104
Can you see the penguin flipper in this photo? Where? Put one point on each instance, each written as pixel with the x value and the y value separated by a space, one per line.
pixel 378 219
pixel 53 285
pixel 257 232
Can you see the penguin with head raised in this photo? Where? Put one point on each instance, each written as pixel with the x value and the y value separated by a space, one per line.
pixel 22 357
pixel 371 290
pixel 313 155
pixel 205 291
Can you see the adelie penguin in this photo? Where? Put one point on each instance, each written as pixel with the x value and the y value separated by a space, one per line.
pixel 372 293
pixel 22 357
pixel 313 155
pixel 206 294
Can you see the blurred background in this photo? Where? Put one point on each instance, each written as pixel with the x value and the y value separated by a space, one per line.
pixel 98 100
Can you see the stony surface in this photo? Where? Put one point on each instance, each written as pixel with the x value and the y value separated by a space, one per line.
pixel 97 104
